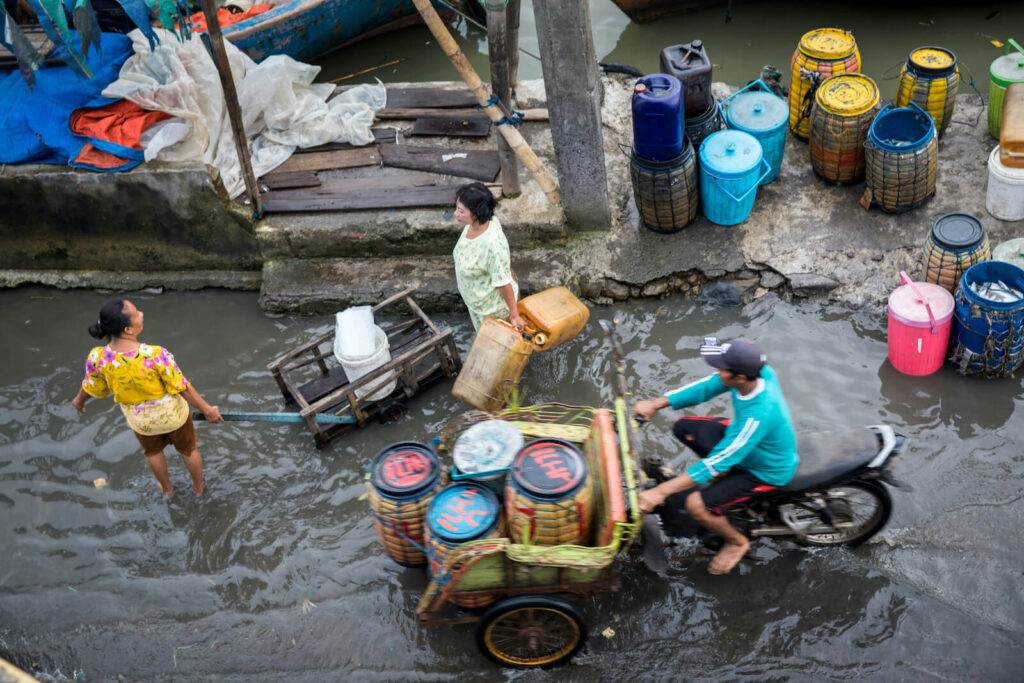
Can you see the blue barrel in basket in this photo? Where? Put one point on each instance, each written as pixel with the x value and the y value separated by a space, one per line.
pixel 988 328
pixel 461 512
pixel 404 477
pixel 765 116
pixel 731 166
pixel 658 124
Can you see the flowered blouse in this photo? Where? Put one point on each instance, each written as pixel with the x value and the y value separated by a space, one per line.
pixel 145 374
pixel 481 267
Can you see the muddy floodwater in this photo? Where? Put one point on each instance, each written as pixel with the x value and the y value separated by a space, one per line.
pixel 276 573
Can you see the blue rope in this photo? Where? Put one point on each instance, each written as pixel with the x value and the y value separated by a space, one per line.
pixel 514 118
pixel 493 100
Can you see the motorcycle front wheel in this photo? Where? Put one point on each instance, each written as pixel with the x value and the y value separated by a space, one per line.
pixel 864 504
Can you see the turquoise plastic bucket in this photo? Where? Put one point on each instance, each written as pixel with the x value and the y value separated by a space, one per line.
pixel 763 115
pixel 988 336
pixel 731 166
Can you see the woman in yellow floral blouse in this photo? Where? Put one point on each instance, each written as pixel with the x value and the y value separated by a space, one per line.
pixel 483 271
pixel 153 394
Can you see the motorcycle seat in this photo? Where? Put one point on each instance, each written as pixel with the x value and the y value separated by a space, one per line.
pixel 825 456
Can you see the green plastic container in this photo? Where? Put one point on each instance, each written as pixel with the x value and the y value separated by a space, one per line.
pixel 1004 71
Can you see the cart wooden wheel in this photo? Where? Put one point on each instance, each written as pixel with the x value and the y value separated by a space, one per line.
pixel 531 631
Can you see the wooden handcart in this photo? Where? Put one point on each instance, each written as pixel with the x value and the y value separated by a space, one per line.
pixel 533 623
pixel 311 377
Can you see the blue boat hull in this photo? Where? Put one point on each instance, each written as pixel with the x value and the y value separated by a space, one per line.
pixel 306 29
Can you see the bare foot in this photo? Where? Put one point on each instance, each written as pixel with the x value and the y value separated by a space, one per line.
pixel 167 493
pixel 728 557
pixel 200 490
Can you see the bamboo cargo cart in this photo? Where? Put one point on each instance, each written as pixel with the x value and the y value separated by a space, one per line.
pixel 533 622
pixel 310 377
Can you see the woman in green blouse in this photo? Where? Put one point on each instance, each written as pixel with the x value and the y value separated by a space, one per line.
pixel 482 263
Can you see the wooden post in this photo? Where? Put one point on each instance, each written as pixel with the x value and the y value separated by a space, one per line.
pixel 515 139
pixel 497 48
pixel 573 86
pixel 220 60
pixel 512 22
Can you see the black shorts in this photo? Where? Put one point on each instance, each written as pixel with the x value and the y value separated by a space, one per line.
pixel 735 487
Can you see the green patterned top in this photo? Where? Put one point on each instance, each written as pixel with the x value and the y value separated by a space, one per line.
pixel 482 265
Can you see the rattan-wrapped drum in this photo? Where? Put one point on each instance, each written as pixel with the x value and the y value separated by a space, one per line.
pixel 844 107
pixel 548 497
pixel 822 53
pixel 955 243
pixel 667 192
pixel 901 156
pixel 403 479
pixel 461 512
pixel 930 79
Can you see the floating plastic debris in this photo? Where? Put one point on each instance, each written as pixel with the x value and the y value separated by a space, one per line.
pixel 99 483
pixel 608 632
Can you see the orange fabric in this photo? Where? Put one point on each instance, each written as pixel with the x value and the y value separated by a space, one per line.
pixel 225 17
pixel 120 122
pixel 97 158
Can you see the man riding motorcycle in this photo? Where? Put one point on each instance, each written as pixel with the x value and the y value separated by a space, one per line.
pixel 750 455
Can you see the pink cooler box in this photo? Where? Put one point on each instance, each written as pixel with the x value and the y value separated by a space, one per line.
pixel 920 317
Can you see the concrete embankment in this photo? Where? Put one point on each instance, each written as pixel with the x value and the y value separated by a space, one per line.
pixel 160 226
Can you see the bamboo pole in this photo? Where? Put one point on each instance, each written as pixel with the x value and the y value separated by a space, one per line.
pixel 220 60
pixel 476 86
pixel 497 50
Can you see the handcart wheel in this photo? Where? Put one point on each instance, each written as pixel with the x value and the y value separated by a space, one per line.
pixel 392 411
pixel 531 631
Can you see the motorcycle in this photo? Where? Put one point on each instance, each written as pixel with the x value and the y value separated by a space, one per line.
pixel 838 496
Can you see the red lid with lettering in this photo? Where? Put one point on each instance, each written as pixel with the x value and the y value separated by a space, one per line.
pixel 549 468
pixel 405 469
pixel 463 511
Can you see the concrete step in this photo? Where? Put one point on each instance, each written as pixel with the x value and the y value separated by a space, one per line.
pixel 323 286
pixel 375 234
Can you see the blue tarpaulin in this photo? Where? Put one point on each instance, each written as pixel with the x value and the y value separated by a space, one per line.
pixel 34 121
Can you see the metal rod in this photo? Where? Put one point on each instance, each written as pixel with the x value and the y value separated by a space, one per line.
pixel 277 417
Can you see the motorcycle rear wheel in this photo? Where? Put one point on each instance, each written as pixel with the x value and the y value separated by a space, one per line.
pixel 870 505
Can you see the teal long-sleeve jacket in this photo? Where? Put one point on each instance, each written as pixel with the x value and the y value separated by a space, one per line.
pixel 760 437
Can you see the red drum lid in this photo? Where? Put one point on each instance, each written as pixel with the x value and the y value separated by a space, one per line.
pixel 549 468
pixel 404 469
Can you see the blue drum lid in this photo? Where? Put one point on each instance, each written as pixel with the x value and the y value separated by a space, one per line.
pixel 404 469
pixel 730 153
pixel 757 111
pixel 549 468
pixel 958 231
pixel 462 511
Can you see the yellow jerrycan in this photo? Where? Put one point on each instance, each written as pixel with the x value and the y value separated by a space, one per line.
pixel 553 316
pixel 493 365
pixel 1011 132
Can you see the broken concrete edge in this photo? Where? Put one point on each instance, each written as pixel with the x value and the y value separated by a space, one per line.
pixel 128 281
pixel 740 287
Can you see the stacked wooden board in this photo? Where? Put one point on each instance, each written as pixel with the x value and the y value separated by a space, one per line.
pixel 300 183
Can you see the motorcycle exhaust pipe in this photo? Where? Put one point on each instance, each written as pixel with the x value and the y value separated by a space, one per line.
pixel 786 531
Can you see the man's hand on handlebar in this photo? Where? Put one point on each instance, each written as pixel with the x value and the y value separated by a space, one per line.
pixel 644 410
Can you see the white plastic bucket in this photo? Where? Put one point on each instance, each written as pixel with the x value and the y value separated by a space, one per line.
pixel 355 367
pixel 353 333
pixel 1005 197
